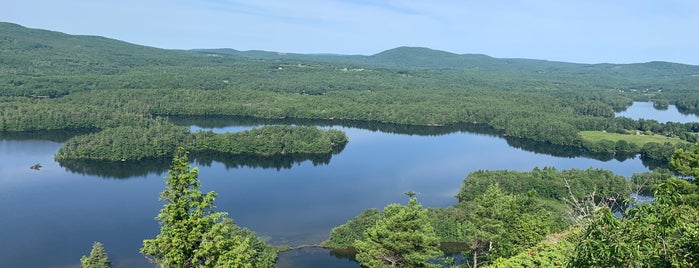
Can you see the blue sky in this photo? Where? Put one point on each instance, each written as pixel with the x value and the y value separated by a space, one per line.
pixel 592 31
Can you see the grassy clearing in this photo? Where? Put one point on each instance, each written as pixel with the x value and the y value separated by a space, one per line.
pixel 639 140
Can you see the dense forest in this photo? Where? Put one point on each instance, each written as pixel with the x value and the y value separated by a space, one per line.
pixel 50 80
pixel 121 102
pixel 160 139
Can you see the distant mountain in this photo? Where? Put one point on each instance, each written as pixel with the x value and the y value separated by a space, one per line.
pixel 54 52
pixel 425 58
pixel 49 52
pixel 430 58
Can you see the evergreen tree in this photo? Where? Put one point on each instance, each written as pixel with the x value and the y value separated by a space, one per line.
pixel 192 234
pixel 501 224
pixel 403 237
pixel 97 259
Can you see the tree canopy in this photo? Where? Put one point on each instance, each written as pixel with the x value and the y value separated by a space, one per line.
pixel 402 237
pixel 97 259
pixel 193 235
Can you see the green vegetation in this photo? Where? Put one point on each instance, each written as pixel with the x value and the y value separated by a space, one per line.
pixel 124 93
pixel 97 259
pixel 51 80
pixel 686 162
pixel 664 233
pixel 343 236
pixel 502 213
pixel 555 251
pixel 193 235
pixel 634 140
pixel 161 138
pixel 549 218
pixel 401 237
pixel 548 183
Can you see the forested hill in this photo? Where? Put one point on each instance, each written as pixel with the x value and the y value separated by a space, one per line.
pixel 425 58
pixel 52 52
pixel 63 53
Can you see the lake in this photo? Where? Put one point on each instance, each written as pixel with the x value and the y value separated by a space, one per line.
pixel 646 110
pixel 51 216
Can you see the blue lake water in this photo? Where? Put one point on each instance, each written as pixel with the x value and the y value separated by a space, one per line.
pixel 646 110
pixel 51 216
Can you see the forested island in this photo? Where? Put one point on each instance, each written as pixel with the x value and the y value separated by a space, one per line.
pixel 160 139
pixel 123 101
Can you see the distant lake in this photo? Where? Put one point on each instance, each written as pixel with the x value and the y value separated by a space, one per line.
pixel 52 216
pixel 646 110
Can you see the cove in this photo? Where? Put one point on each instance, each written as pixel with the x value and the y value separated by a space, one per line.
pixel 58 211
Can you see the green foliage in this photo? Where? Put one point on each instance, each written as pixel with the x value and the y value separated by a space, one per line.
pixel 192 234
pixel 343 236
pixel 686 162
pixel 56 81
pixel 630 143
pixel 548 183
pixel 502 225
pixel 159 138
pixel 647 182
pixel 656 151
pixel 502 213
pixel 555 251
pixel 97 259
pixel 271 140
pixel 664 233
pixel 402 237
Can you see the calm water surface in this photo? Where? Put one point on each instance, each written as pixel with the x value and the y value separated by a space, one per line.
pixel 646 110
pixel 57 212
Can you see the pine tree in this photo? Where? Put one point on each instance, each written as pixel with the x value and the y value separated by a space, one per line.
pixel 192 234
pixel 97 258
pixel 403 237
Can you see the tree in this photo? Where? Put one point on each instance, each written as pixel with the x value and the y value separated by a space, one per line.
pixel 402 237
pixel 97 259
pixel 664 233
pixel 501 224
pixel 192 234
pixel 686 162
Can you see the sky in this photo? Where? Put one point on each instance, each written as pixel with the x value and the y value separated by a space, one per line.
pixel 582 31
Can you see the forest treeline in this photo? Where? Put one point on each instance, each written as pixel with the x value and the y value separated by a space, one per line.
pixel 51 80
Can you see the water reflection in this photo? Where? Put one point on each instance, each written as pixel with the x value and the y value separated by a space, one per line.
pixel 48 135
pixel 267 162
pixel 213 122
pixel 133 169
pixel 233 123
pixel 572 152
pixel 116 170
pixel 316 257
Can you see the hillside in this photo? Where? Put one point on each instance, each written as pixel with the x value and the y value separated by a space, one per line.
pixel 425 58
pixel 27 51
pixel 51 80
